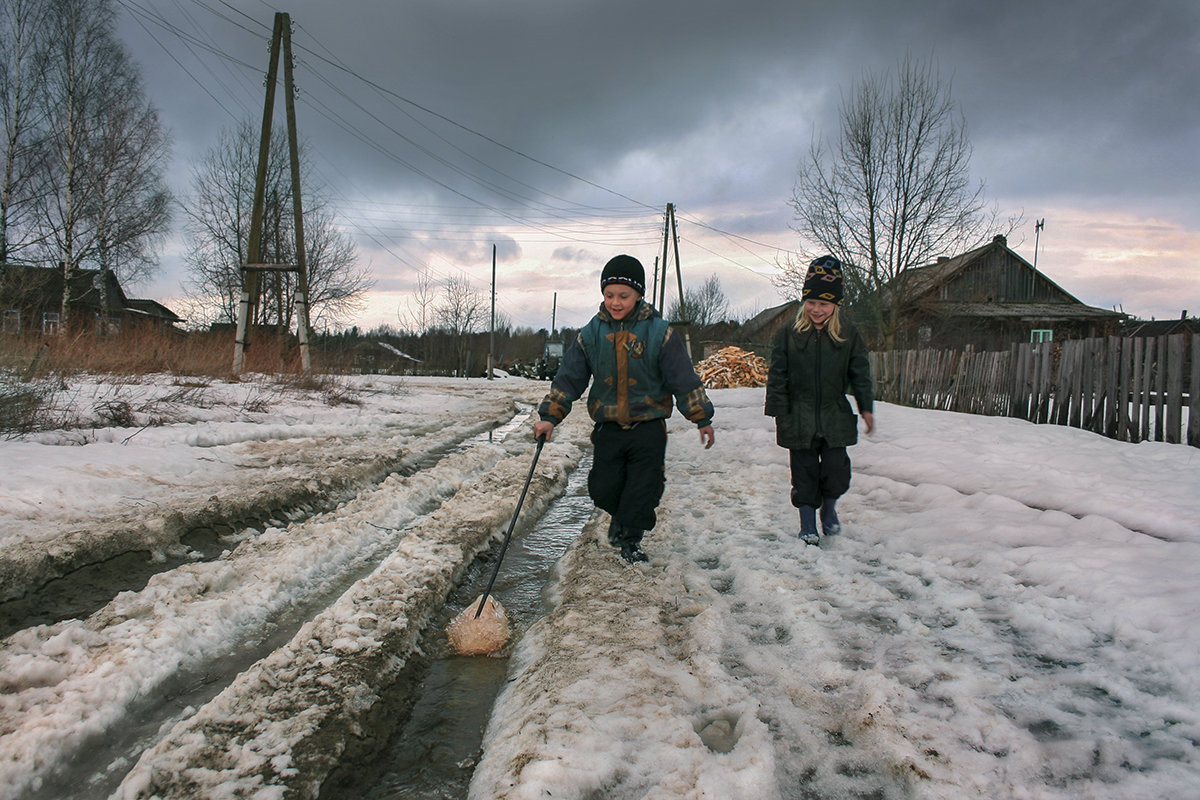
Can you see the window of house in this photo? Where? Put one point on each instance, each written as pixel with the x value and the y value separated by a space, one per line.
pixel 12 321
pixel 50 323
pixel 1039 335
pixel 924 335
pixel 107 326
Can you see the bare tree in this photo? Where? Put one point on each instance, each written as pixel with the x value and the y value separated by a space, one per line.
pixel 703 305
pixel 893 192
pixel 23 44
pixel 461 312
pixel 218 231
pixel 419 316
pixel 104 149
pixel 131 208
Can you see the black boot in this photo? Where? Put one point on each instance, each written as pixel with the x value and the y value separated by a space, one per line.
pixel 633 553
pixel 631 545
pixel 616 533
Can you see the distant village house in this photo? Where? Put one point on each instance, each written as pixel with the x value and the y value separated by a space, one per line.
pixel 988 299
pixel 31 303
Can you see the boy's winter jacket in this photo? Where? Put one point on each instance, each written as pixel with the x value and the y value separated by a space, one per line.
pixel 807 382
pixel 638 364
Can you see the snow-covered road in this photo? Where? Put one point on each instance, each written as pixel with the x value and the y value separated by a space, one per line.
pixel 1012 611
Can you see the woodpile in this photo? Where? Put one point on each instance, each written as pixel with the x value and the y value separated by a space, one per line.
pixel 731 368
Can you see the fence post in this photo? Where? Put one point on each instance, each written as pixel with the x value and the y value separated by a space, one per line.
pixel 1175 384
pixel 1193 428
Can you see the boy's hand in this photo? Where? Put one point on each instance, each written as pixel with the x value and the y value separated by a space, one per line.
pixel 543 430
pixel 707 436
pixel 869 421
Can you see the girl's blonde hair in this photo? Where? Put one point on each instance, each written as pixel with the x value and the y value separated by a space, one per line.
pixel 833 324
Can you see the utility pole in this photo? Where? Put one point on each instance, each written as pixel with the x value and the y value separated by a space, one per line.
pixel 671 234
pixel 492 335
pixel 1037 238
pixel 281 38
pixel 659 297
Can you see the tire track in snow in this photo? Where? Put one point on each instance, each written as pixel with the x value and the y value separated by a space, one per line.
pixel 180 629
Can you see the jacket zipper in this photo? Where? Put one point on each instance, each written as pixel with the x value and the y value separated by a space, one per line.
pixel 817 408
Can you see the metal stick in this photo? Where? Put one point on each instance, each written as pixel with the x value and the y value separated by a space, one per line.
pixel 508 535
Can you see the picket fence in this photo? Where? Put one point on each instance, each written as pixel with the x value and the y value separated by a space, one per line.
pixel 1131 389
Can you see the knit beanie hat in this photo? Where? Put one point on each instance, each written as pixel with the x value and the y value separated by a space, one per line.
pixel 824 280
pixel 624 269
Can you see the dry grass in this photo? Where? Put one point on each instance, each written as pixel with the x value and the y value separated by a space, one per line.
pixel 35 370
pixel 146 352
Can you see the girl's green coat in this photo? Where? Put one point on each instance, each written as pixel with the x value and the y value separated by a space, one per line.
pixel 807 382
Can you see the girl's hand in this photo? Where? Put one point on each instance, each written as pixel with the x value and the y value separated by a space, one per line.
pixel 707 436
pixel 868 420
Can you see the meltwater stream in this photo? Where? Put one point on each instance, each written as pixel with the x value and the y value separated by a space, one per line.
pixel 99 767
pixel 432 754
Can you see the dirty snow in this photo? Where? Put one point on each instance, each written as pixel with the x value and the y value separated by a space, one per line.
pixel 1012 610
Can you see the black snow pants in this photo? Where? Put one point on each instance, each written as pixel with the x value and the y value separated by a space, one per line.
pixel 628 471
pixel 818 473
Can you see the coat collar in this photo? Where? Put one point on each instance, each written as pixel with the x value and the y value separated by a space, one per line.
pixel 641 311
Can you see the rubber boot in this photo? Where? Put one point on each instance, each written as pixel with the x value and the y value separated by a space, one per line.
pixel 631 545
pixel 616 533
pixel 830 524
pixel 808 525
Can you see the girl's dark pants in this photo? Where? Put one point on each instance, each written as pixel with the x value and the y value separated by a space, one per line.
pixel 628 473
pixel 818 473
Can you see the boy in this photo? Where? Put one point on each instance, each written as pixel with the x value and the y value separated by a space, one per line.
pixel 638 364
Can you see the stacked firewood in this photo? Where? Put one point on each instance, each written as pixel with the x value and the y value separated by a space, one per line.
pixel 732 367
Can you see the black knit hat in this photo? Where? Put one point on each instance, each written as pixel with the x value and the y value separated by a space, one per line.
pixel 824 280
pixel 624 269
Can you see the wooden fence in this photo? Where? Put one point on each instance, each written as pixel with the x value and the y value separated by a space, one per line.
pixel 1132 389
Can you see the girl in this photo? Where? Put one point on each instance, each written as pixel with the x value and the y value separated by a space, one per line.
pixel 636 364
pixel 812 363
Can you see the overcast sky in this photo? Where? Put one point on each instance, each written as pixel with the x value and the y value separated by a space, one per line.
pixel 559 130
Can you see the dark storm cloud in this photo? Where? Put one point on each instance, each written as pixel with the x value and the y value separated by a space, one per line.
pixel 711 105
pixel 1096 96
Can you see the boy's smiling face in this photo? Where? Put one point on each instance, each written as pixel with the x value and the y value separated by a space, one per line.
pixel 619 300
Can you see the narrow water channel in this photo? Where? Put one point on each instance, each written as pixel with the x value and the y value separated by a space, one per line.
pixel 432 755
pixel 98 768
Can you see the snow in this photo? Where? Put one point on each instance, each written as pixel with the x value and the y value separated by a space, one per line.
pixel 1010 611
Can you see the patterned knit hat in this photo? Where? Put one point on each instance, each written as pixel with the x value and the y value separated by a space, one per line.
pixel 624 269
pixel 824 280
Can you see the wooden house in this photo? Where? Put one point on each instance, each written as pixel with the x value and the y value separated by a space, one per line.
pixel 989 298
pixel 757 333
pixel 1152 329
pixel 31 303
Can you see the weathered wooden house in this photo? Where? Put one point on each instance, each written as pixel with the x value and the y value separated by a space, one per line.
pixel 1150 329
pixel 757 332
pixel 989 298
pixel 31 303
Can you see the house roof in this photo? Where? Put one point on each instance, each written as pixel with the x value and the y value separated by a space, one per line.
pixel 923 283
pixel 152 308
pixel 763 319
pixel 1163 327
pixel 1028 312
